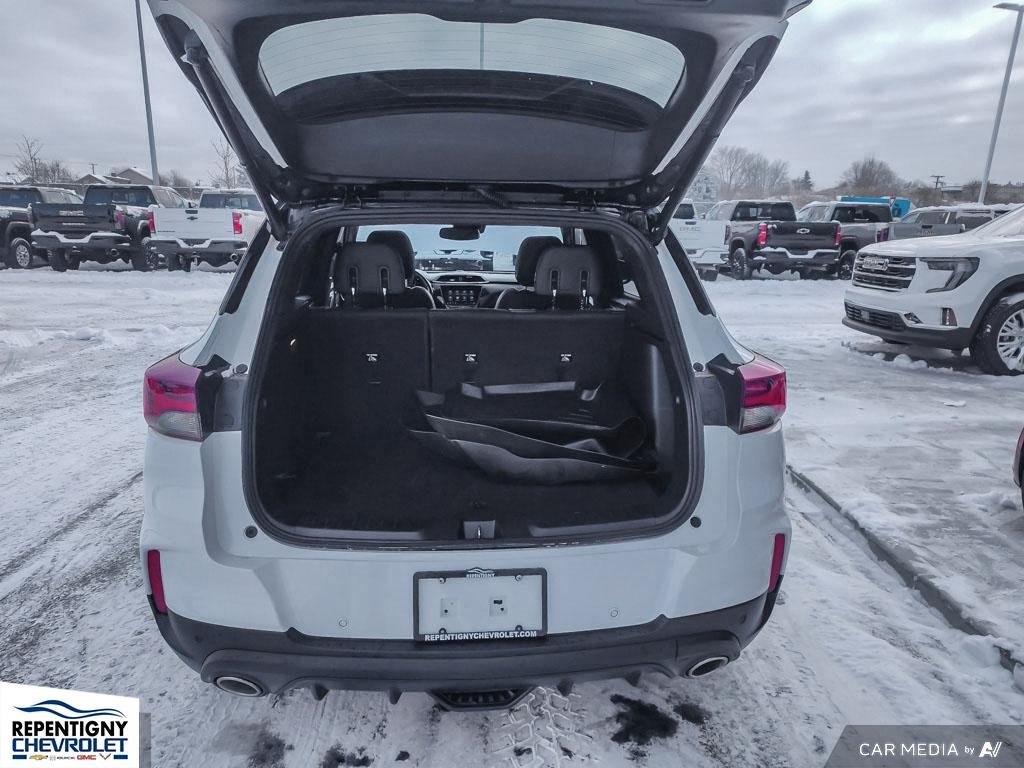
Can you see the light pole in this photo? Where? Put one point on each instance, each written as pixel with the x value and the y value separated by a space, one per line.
pixel 145 93
pixel 1019 10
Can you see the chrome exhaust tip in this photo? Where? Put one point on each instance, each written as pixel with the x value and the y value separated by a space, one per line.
pixel 707 666
pixel 238 686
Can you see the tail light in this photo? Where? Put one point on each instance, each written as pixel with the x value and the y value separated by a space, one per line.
pixel 728 234
pixel 119 219
pixel 156 580
pixel 170 399
pixel 763 394
pixel 236 222
pixel 839 233
pixel 778 553
pixel 762 234
pixel 882 235
pixel 152 222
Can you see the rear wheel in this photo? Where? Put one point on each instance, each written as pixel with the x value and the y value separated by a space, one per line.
pixel 58 260
pixel 846 261
pixel 143 259
pixel 186 263
pixel 998 347
pixel 740 264
pixel 73 262
pixel 20 254
pixel 173 262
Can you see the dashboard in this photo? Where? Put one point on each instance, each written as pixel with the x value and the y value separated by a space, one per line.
pixel 462 290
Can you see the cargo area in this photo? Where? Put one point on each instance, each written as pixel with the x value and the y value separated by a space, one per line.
pixel 384 416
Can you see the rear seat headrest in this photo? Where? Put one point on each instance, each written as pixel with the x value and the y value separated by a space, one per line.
pixel 529 254
pixel 400 242
pixel 367 269
pixel 569 270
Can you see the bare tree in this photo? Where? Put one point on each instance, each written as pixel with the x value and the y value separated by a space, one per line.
pixel 174 178
pixel 728 166
pixel 871 176
pixel 226 172
pixel 738 172
pixel 28 162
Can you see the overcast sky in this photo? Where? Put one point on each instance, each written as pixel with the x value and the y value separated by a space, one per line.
pixel 913 81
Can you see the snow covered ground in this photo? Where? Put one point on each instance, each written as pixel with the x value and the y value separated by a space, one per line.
pixel 919 453
pixel 915 443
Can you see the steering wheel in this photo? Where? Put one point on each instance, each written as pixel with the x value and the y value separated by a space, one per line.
pixel 418 278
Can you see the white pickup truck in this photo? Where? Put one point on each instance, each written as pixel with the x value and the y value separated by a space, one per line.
pixel 703 240
pixel 218 231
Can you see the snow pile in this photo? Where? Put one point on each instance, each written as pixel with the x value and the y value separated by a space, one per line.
pixel 85 333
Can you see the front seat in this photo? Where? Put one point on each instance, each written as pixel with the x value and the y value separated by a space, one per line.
pixel 526 267
pixel 567 277
pixel 368 275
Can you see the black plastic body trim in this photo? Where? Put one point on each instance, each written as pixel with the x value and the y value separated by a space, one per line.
pixel 280 661
pixel 656 292
pixel 954 338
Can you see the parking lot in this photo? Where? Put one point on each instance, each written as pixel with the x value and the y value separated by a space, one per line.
pixel 915 446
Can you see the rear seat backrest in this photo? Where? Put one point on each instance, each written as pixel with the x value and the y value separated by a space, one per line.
pixel 567 277
pixel 365 364
pixel 373 275
pixel 486 346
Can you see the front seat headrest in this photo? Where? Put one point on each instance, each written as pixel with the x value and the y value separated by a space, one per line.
pixel 570 274
pixel 366 272
pixel 400 242
pixel 529 254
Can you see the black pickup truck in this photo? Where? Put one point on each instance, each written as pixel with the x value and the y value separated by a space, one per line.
pixel 15 231
pixel 861 224
pixel 764 234
pixel 112 223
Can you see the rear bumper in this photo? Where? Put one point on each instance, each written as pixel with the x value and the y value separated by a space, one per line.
pixel 781 257
pixel 220 251
pixel 92 242
pixel 282 661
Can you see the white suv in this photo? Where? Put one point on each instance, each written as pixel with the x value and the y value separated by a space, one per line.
pixel 956 292
pixel 466 421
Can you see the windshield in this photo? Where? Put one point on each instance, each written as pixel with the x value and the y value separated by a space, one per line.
pixel 18 198
pixel 245 201
pixel 140 196
pixel 1007 225
pixel 494 251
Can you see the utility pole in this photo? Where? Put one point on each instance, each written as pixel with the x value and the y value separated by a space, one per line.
pixel 1019 9
pixel 145 93
pixel 938 180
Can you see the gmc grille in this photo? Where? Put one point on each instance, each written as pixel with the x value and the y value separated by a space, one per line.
pixel 894 275
pixel 874 317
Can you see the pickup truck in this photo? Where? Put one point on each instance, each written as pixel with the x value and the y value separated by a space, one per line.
pixel 701 239
pixel 112 223
pixel 861 224
pixel 764 234
pixel 15 231
pixel 216 231
pixel 937 220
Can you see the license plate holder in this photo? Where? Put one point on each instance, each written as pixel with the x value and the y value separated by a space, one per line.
pixel 480 604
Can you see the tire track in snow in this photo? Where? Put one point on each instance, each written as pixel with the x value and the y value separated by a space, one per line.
pixel 27 558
